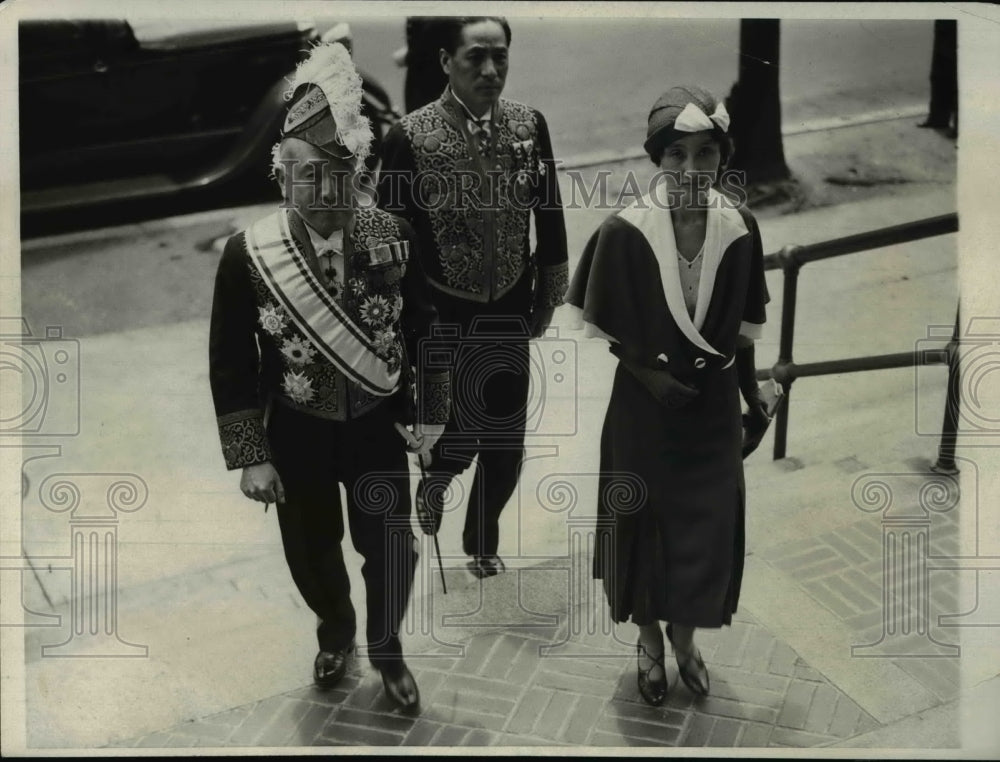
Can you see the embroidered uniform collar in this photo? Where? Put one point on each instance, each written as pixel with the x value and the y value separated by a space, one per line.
pixel 487 117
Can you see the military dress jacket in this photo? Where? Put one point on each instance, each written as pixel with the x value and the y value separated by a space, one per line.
pixel 262 351
pixel 472 210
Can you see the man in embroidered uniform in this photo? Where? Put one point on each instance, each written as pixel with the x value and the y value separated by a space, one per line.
pixel 317 312
pixel 469 171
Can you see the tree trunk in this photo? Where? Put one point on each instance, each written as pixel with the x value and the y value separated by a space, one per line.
pixel 754 104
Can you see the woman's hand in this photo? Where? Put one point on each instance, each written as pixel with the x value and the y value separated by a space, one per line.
pixel 668 390
pixel 659 382
pixel 755 424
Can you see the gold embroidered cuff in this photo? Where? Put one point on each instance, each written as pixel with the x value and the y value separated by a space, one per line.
pixel 553 280
pixel 244 442
pixel 434 405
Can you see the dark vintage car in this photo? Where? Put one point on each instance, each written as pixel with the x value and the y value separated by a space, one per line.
pixel 114 114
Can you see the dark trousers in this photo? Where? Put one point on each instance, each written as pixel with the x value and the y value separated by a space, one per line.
pixel 312 456
pixel 490 380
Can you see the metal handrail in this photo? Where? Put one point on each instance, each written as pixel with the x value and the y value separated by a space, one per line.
pixel 785 371
pixel 872 239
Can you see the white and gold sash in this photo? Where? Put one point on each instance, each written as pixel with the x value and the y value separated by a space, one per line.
pixel 313 310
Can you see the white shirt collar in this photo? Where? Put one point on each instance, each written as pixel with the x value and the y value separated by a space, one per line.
pixel 335 241
pixel 488 116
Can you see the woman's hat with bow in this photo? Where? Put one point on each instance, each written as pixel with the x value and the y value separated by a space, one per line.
pixel 681 111
pixel 325 104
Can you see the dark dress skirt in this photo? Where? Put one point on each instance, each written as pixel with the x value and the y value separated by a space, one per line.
pixel 678 557
pixel 672 549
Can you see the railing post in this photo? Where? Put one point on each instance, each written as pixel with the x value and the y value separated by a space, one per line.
pixel 791 259
pixel 949 427
pixel 790 269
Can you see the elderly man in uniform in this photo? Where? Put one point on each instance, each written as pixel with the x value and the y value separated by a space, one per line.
pixel 317 313
pixel 468 171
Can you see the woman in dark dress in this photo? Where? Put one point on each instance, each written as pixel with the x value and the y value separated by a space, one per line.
pixel 675 283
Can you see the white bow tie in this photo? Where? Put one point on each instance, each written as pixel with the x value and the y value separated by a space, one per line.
pixel 693 119
pixel 332 245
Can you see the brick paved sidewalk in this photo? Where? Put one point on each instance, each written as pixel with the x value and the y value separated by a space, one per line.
pixel 539 686
pixel 892 578
pixel 509 663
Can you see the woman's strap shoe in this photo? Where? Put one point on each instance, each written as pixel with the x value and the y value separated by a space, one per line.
pixel 652 691
pixel 691 667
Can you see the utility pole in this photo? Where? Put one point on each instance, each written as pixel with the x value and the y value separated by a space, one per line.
pixel 754 104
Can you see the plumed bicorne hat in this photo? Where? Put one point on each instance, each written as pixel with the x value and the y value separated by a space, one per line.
pixel 324 106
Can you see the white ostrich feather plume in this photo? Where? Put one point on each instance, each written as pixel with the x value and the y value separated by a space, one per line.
pixel 330 67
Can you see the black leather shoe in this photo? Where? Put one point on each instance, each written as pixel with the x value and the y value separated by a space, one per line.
pixel 652 691
pixel 399 684
pixel 330 667
pixel 486 566
pixel 691 668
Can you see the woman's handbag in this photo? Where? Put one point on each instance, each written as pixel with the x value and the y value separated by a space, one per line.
pixel 758 418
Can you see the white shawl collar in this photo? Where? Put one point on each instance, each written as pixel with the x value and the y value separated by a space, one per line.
pixel 724 226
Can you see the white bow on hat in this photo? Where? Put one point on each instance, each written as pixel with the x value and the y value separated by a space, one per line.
pixel 693 119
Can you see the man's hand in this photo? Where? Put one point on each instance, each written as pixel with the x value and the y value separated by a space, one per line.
pixel 427 435
pixel 541 318
pixel 261 482
pixel 420 441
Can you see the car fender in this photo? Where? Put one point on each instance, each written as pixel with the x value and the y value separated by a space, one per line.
pixel 260 133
